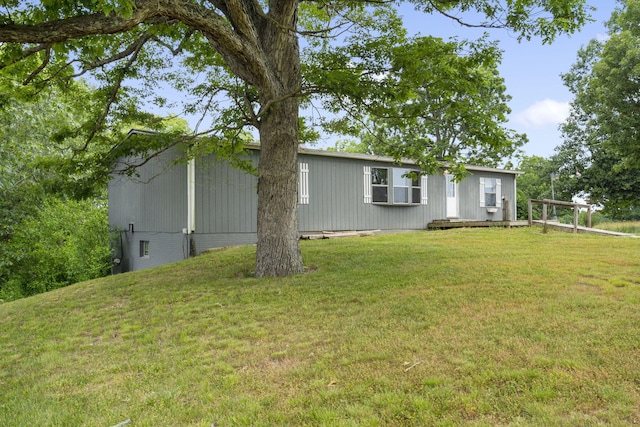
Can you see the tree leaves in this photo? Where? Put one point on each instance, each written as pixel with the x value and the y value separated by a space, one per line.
pixel 37 178
pixel 452 106
pixel 351 50
pixel 602 134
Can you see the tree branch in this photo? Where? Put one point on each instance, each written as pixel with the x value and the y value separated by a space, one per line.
pixel 242 47
pixel 462 22
pixel 178 50
pixel 45 62
pixel 241 55
pixel 27 53
pixel 133 47
pixel 244 21
pixel 112 97
pixel 74 27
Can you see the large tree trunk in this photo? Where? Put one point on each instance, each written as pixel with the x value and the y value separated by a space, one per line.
pixel 278 252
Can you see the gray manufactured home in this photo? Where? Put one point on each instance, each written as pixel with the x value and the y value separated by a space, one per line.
pixel 173 210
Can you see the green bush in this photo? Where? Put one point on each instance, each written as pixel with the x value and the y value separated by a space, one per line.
pixel 65 242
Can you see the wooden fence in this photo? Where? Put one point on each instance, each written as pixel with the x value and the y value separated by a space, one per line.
pixel 548 202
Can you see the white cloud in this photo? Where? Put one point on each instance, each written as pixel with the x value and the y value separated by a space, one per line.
pixel 544 113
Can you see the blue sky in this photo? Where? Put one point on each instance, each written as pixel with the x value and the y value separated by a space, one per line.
pixel 531 70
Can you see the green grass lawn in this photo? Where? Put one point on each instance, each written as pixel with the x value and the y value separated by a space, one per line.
pixel 460 327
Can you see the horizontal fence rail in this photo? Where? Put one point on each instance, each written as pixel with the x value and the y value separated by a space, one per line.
pixel 548 202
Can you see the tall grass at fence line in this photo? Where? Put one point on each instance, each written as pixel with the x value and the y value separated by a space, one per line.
pixel 631 227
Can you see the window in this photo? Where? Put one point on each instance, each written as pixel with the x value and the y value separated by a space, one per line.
pixel 406 190
pixel 380 185
pixel 303 184
pixel 144 248
pixel 490 192
pixel 451 186
pixel 401 185
pixel 392 186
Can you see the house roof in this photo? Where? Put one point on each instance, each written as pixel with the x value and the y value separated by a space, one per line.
pixel 359 156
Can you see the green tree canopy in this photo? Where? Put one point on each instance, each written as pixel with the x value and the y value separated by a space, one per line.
pixel 602 134
pixel 240 62
pixel 454 108
pixel 535 182
pixel 28 149
pixel 47 240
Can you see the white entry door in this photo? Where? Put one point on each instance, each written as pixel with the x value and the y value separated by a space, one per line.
pixel 452 197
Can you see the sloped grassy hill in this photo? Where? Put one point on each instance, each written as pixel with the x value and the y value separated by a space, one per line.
pixel 475 327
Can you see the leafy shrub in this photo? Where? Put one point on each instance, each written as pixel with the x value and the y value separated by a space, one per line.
pixel 66 242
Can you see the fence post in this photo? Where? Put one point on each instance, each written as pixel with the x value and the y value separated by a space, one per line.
pixel 506 209
pixel 589 216
pixel 530 213
pixel 575 218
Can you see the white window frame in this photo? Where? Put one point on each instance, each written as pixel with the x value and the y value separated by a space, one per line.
pixel 401 182
pixel 388 186
pixel 410 184
pixel 303 184
pixel 483 192
pixel 144 249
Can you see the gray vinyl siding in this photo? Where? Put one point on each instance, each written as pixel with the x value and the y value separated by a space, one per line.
pixel 334 196
pixel 336 200
pixel 226 198
pixel 437 199
pixel 226 204
pixel 469 198
pixel 469 195
pixel 153 201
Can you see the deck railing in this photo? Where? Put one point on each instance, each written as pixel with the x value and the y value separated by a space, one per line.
pixel 548 202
